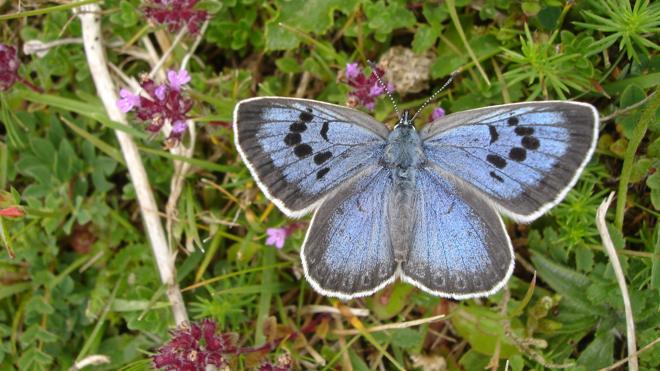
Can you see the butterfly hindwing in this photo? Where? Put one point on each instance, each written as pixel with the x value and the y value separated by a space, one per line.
pixel 298 150
pixel 348 251
pixel 458 247
pixel 524 156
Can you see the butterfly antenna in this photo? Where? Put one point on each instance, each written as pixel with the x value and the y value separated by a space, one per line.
pixel 374 70
pixel 432 97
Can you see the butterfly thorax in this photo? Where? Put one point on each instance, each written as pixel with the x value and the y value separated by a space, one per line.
pixel 403 155
pixel 403 151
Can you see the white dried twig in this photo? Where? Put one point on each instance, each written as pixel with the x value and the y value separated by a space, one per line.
pixel 93 360
pixel 391 326
pixel 621 279
pixel 93 41
pixel 312 309
pixel 41 48
pixel 167 53
pixel 191 52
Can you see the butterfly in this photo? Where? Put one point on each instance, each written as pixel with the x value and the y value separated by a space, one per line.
pixel 422 206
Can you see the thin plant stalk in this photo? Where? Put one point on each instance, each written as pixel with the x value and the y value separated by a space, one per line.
pixel 96 59
pixel 621 279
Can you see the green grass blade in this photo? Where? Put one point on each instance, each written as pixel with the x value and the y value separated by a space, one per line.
pixel 639 132
pixel 451 7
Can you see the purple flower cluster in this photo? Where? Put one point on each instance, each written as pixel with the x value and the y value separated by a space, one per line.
pixel 365 89
pixel 162 102
pixel 195 347
pixel 9 63
pixel 277 236
pixel 175 14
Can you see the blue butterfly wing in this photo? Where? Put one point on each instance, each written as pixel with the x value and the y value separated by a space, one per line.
pixel 298 150
pixel 524 157
pixel 458 247
pixel 348 251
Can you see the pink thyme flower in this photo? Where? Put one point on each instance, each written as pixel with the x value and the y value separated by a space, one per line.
pixel 162 103
pixel 277 236
pixel 160 91
pixel 195 347
pixel 179 127
pixel 175 14
pixel 177 79
pixel 128 100
pixel 352 71
pixel 365 89
pixel 437 113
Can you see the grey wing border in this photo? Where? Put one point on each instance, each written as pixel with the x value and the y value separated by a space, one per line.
pixel 279 203
pixel 560 196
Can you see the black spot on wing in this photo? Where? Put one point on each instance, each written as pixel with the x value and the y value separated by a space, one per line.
pixel 322 157
pixel 512 121
pixel 306 116
pixel 523 130
pixel 518 154
pixel 324 130
pixel 496 160
pixel 321 173
pixel 530 142
pixel 496 177
pixel 292 139
pixel 302 150
pixel 493 134
pixel 298 127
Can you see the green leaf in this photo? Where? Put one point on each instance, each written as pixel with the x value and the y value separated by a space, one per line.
pixel 548 18
pixel 388 303
pixel 425 38
pixel 34 359
pixel 36 333
pixel 631 95
pixel 357 362
pixel 584 259
pixel 43 149
pixel 38 305
pixel 127 16
pixel 655 268
pixel 288 65
pixel 384 18
pixel 308 16
pixel 599 353
pixel 64 166
pixel 211 6
pixel 568 283
pixel 406 338
pixel 517 363
pixel 530 8
pixel 13 289
pixel 483 329
pixel 278 38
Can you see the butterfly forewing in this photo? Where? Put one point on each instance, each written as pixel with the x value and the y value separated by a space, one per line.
pixel 298 150
pixel 348 251
pixel 524 157
pixel 459 247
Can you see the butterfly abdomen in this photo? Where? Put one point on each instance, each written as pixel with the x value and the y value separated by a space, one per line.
pixel 403 156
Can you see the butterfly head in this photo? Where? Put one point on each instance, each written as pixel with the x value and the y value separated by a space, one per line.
pixel 405 121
